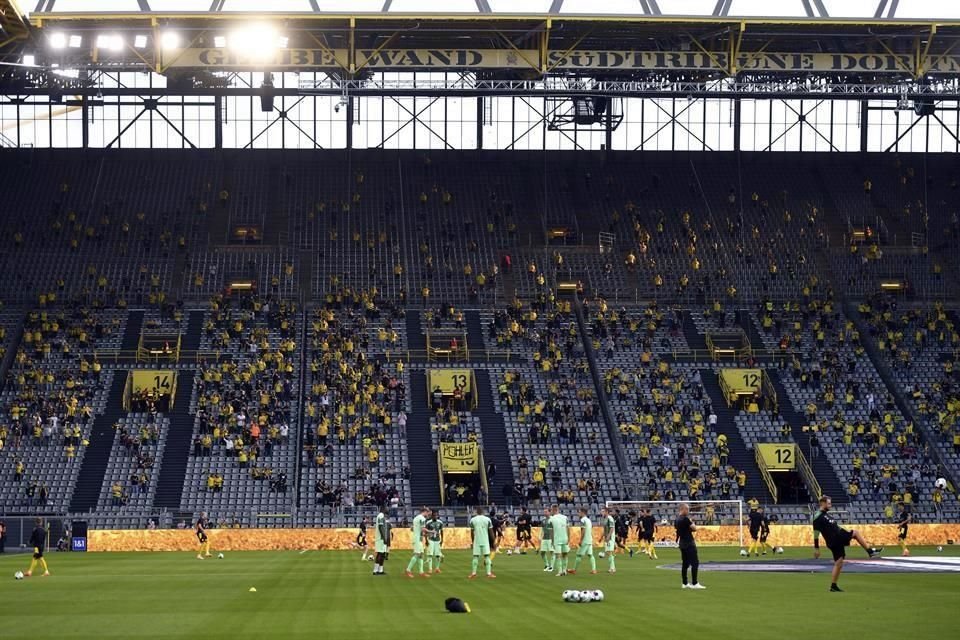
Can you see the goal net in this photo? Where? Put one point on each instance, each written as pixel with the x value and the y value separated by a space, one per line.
pixel 719 522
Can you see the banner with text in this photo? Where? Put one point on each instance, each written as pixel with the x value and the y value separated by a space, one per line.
pixel 610 60
pixel 778 457
pixel 459 457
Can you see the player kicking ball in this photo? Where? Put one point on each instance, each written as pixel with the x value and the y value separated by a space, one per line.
pixel 202 537
pixel 418 536
pixel 585 548
pixel 837 539
pixel 481 530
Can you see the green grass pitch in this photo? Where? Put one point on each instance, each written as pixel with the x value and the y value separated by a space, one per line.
pixel 332 595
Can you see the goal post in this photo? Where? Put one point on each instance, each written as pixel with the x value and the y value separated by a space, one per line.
pixel 720 522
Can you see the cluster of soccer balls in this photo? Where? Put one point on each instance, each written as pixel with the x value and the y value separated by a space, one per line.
pixel 572 595
pixel 744 552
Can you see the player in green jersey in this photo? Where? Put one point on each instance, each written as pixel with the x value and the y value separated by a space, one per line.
pixel 561 539
pixel 609 539
pixel 585 549
pixel 434 532
pixel 480 529
pixel 417 539
pixel 381 541
pixel 546 541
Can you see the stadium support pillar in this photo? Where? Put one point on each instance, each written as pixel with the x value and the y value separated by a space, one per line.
pixel 349 122
pixel 736 124
pixel 218 122
pixel 85 117
pixel 480 100
pixel 608 128
pixel 864 122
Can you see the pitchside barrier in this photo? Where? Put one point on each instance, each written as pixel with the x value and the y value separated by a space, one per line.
pixel 459 537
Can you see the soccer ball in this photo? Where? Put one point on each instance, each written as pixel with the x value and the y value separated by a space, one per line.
pixel 939 549
pixel 597 596
pixel 941 483
pixel 18 575
pixel 571 596
pixel 509 552
pixel 220 556
pixel 778 550
pixel 602 554
pixel 743 552
pixel 586 596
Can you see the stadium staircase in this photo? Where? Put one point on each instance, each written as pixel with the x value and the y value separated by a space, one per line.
pixel 131 334
pixel 97 453
pixel 474 333
pixel 695 340
pixel 613 431
pixel 495 447
pixel 424 479
pixel 173 466
pixel 416 341
pixel 822 469
pixel 191 339
pixel 740 456
pixel 749 328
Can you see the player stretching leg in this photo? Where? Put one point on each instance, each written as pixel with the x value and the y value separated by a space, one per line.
pixel 381 542
pixel 903 524
pixel 586 543
pixel 609 539
pixel 202 536
pixel 688 547
pixel 38 540
pixel 647 529
pixel 561 539
pixel 524 532
pixel 362 538
pixel 434 531
pixel 417 538
pixel 481 530
pixel 765 533
pixel 837 539
pixel 756 523
pixel 546 542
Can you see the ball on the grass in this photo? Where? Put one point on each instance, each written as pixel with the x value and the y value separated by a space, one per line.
pixel 571 596
pixel 743 552
pixel 586 596
pixel 18 575
pixel 778 550
pixel 509 552
pixel 939 549
pixel 597 595
pixel 220 556
pixel 602 555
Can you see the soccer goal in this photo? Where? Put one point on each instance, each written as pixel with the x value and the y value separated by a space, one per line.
pixel 722 519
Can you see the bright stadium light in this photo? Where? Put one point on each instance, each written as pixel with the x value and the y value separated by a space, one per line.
pixel 75 41
pixel 255 41
pixel 140 41
pixel 111 42
pixel 170 40
pixel 58 40
pixel 29 60
pixel 220 42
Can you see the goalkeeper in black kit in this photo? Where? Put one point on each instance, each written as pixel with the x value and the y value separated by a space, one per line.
pixel 837 539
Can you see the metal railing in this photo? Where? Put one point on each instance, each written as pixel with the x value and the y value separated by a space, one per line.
pixel 765 474
pixel 806 472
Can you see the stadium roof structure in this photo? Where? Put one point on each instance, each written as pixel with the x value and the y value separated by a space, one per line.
pixel 590 43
